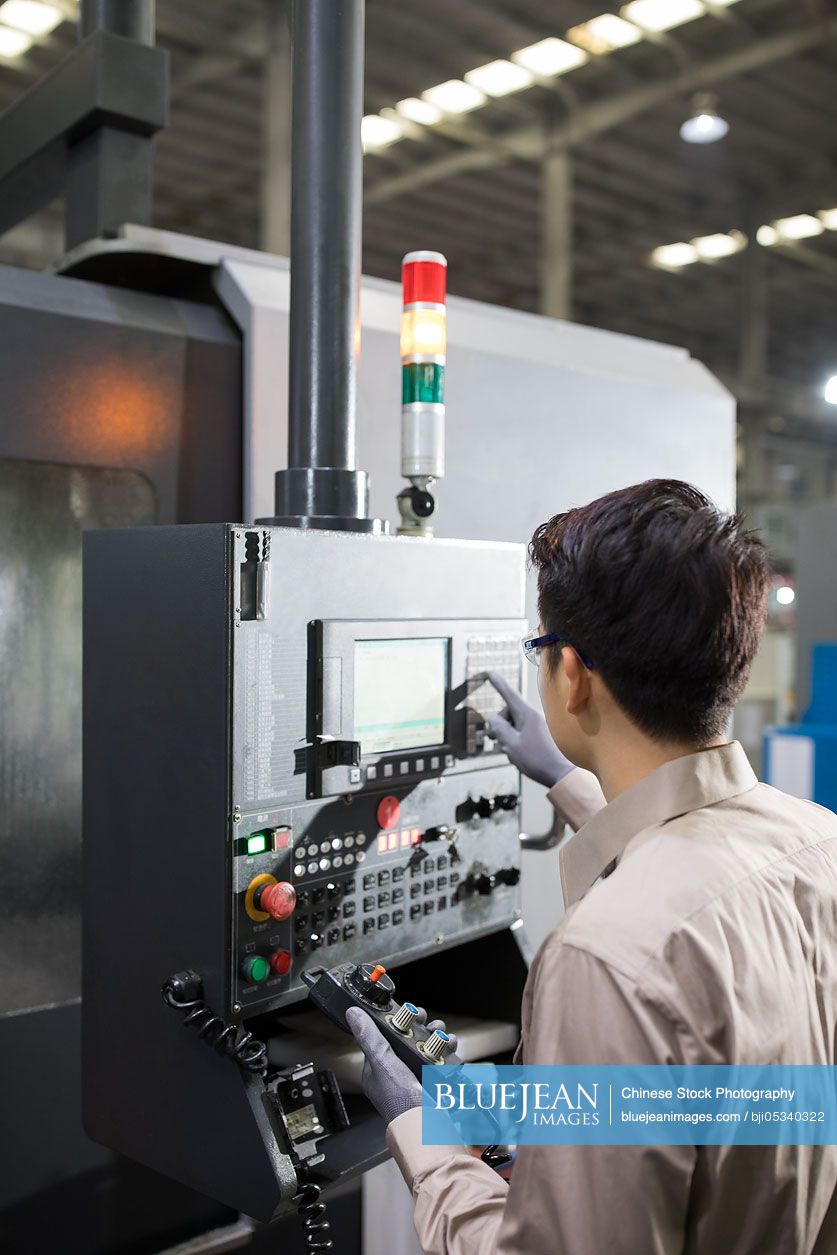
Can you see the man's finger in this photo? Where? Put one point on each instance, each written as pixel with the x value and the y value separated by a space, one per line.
pixel 452 1038
pixel 510 696
pixel 501 729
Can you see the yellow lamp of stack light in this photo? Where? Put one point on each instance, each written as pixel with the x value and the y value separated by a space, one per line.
pixel 423 332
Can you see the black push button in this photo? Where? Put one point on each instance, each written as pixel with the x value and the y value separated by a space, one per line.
pixel 368 926
pixel 398 917
pixel 334 912
pixel 443 903
pixel 383 876
pixel 397 874
pixel 429 885
pixel 348 931
pixel 349 886
pixel 369 902
pixel 300 945
pixel 333 936
pixel 441 862
pixel 383 921
pixel 398 895
pixel 383 898
pixel 349 909
pixel 369 880
pixel 415 890
pixel 441 882
pixel 415 910
pixel 429 908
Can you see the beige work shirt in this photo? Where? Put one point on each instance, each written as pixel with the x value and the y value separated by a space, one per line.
pixel 714 940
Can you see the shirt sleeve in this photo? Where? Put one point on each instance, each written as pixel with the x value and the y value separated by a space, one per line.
pixel 571 1200
pixel 577 797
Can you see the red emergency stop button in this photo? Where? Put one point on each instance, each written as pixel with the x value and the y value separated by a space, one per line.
pixel 278 901
pixel 389 812
pixel 280 962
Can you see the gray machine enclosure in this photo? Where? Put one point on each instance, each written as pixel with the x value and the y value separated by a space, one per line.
pixel 183 686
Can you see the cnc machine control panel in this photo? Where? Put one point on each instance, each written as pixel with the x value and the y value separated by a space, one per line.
pixel 399 827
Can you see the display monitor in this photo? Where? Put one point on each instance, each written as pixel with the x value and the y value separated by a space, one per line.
pixel 400 688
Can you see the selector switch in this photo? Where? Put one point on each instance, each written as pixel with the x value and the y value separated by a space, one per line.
pixel 404 1018
pixel 389 812
pixel 436 1046
pixel 372 983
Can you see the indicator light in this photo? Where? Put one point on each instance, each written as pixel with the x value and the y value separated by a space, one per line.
pixel 423 353
pixel 257 844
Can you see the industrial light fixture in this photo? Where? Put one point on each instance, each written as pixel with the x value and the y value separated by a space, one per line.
pixel 454 96
pixel 377 132
pixel 499 78
pixel 799 227
pixel 30 16
pixel 662 15
pixel 828 218
pixel 604 33
pixel 785 595
pixel 13 43
pixel 673 256
pixel 830 390
pixel 711 247
pixel 419 111
pixel 705 126
pixel 767 236
pixel 549 57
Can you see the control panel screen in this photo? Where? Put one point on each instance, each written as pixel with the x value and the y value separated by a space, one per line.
pixel 400 688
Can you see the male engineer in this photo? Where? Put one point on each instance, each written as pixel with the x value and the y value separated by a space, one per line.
pixel 701 920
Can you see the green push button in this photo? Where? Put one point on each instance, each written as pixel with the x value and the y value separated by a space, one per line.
pixel 255 969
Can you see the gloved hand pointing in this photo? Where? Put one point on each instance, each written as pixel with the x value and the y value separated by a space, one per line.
pixel 523 734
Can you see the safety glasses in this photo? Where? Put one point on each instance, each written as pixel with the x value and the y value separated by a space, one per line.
pixel 533 643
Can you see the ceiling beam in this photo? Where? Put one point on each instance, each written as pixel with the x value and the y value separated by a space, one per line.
pixel 532 143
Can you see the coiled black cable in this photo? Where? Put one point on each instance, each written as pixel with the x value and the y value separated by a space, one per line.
pixel 183 992
pixel 315 1227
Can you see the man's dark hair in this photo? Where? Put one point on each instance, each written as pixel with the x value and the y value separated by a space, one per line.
pixel 666 597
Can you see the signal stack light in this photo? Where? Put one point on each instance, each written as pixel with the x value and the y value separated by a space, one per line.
pixel 423 350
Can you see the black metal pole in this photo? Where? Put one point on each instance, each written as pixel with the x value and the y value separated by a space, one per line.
pixel 134 19
pixel 322 486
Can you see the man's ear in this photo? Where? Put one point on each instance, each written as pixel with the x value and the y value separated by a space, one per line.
pixel 578 681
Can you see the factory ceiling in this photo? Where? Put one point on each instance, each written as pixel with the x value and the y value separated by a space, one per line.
pixel 479 187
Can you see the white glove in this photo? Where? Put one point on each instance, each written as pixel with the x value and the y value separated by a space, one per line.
pixel 523 734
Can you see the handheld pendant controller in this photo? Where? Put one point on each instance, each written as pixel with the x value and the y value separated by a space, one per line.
pixel 366 985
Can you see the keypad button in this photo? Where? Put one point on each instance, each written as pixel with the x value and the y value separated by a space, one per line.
pixel 349 931
pixel 383 877
pixel 348 859
pixel 301 923
pixel 415 890
pixel 316 941
pixel 419 764
pixel 403 768
pixel 398 895
pixel 428 907
pixel 300 945
pixel 369 903
pixel 383 898
pixel 369 880
pixel 443 903
pixel 429 885
pixel 349 885
pixel 333 913
pixel 398 917
pixel 415 910
pixel 455 878
pixel 317 919
pixel 360 856
pixel 333 936
pixel 312 868
pixel 397 874
pixel 371 773
pixel 383 921
pixel 387 770
pixel 318 894
pixel 368 926
pixel 428 865
pixel 442 862
pixel 441 882
pixel 349 909
pixel 302 898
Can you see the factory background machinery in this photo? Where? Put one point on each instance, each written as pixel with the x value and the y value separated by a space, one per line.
pixel 147 384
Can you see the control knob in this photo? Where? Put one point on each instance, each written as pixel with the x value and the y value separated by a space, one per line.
pixel 436 1046
pixel 371 982
pixel 405 1017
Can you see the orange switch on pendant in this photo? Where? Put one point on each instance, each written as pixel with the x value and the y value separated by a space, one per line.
pixel 278 901
pixel 377 972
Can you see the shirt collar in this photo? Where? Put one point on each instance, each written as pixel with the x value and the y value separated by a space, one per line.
pixel 677 787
